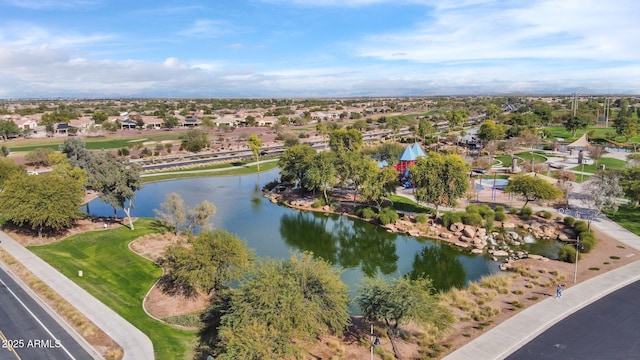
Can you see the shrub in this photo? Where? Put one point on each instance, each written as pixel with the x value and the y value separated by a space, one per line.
pixel 488 223
pixel 472 208
pixel 499 208
pixel 526 212
pixel 513 211
pixel 567 253
pixel 580 226
pixel 123 151
pixel 388 216
pixel 569 221
pixel 473 218
pixel 318 203
pixel 421 218
pixel 545 214
pixel 366 213
pixel 485 211
pixel 451 217
pixel 499 216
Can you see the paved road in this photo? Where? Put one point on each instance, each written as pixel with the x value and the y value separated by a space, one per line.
pixel 607 329
pixel 27 331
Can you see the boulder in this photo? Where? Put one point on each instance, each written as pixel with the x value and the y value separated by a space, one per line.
pixel 508 225
pixel 465 238
pixel 563 237
pixel 455 227
pixel 469 231
pixel 446 235
pixel 514 235
pixel 476 251
pixel 462 245
pixel 500 253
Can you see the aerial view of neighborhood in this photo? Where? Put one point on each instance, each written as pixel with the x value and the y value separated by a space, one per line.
pixel 177 182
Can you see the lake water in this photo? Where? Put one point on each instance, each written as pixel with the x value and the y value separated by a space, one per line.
pixel 360 248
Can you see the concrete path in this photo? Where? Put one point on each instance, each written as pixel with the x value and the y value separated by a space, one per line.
pixel 135 343
pixel 515 332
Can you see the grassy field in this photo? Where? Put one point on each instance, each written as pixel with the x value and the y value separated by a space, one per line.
pixel 609 163
pixel 627 216
pixel 599 133
pixel 215 170
pixel 94 143
pixel 120 279
pixel 528 155
pixel 401 203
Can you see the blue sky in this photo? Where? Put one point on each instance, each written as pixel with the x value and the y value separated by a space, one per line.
pixel 317 48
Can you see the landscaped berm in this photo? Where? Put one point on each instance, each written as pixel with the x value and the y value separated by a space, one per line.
pixel 118 270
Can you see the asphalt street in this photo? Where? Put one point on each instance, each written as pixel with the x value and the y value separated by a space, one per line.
pixel 607 329
pixel 27 331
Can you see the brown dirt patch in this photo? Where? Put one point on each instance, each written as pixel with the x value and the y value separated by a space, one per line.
pixel 163 301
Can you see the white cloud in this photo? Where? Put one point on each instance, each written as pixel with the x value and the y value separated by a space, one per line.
pixel 207 28
pixel 50 4
pixel 514 30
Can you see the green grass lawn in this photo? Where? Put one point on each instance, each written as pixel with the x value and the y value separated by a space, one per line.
pixel 528 155
pixel 599 133
pixel 120 279
pixel 94 143
pixel 506 160
pixel 233 169
pixel 609 163
pixel 401 203
pixel 627 216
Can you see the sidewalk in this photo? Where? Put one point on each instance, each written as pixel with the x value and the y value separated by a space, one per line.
pixel 518 330
pixel 135 343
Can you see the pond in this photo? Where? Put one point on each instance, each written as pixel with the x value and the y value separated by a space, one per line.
pixel 358 247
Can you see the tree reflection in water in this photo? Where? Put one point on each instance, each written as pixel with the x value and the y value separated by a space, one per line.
pixel 441 264
pixel 341 241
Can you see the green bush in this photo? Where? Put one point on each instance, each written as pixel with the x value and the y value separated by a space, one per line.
pixel 318 203
pixel 421 218
pixel 473 218
pixel 366 213
pixel 588 241
pixel 580 226
pixel 526 212
pixel 485 211
pixel 473 208
pixel 388 216
pixel 545 214
pixel 569 221
pixel 499 208
pixel 499 216
pixel 488 223
pixel 513 211
pixel 451 217
pixel 567 253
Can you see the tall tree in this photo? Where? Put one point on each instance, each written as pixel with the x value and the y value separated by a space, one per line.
pixel 626 126
pixel 489 130
pixel 116 181
pixel 532 188
pixel 196 140
pixel 440 179
pixel 295 161
pixel 45 202
pixel 602 191
pixel 425 128
pixel 281 306
pixel 255 144
pixel 208 261
pixel 76 150
pixel 173 213
pixel 595 152
pixel 630 182
pixel 8 128
pixel 400 301
pixel 574 123
pixel 342 140
pixel 8 167
pixel 321 174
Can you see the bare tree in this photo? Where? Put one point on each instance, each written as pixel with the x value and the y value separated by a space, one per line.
pixel 595 152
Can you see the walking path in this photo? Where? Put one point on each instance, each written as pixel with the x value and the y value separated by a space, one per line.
pixel 135 343
pixel 515 332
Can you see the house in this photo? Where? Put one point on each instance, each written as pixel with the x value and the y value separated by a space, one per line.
pixel 152 122
pixel 25 124
pixel 190 122
pixel 128 124
pixel 81 124
pixel 61 128
pixel 267 121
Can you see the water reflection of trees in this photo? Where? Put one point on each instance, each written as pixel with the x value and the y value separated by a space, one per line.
pixel 441 265
pixel 342 241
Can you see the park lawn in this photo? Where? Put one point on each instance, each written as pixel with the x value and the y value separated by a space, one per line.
pixel 609 164
pixel 528 155
pixel 505 159
pixel 401 203
pixel 233 169
pixel 627 216
pixel 120 279
pixel 94 143
pixel 599 133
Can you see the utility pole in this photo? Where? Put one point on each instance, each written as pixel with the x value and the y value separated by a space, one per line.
pixel 575 272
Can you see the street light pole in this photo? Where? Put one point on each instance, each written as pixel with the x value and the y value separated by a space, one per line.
pixel 575 272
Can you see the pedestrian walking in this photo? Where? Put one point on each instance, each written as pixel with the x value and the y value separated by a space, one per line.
pixel 559 291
